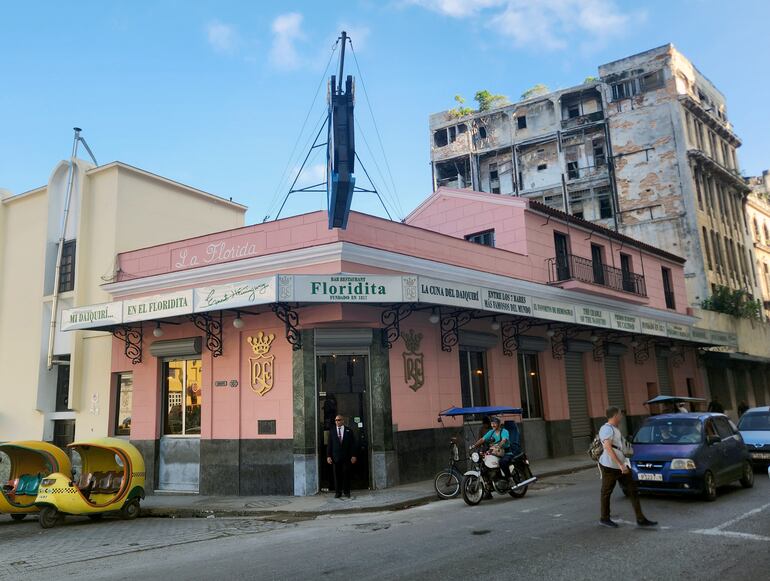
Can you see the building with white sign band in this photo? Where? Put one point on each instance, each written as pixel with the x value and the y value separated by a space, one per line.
pixel 113 208
pixel 243 346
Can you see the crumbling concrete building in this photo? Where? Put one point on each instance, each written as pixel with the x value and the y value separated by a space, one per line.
pixel 645 148
pixel 758 214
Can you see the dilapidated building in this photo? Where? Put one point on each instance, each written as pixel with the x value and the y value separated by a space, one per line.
pixel 758 214
pixel 646 149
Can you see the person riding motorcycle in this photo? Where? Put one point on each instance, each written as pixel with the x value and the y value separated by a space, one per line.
pixel 499 436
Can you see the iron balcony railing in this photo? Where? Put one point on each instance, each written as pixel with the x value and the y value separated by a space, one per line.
pixel 582 120
pixel 571 267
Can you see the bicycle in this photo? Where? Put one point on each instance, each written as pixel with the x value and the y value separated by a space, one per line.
pixel 447 481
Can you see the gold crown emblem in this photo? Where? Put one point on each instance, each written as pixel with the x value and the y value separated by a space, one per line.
pixel 261 343
pixel 412 340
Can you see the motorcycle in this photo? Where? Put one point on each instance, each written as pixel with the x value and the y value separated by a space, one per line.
pixel 487 476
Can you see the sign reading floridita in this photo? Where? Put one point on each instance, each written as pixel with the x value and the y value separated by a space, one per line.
pixel 351 288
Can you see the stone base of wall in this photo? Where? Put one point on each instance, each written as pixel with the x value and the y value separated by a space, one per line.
pixel 149 450
pixel 422 453
pixel 559 437
pixel 534 438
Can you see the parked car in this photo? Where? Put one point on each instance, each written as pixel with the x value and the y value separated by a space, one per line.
pixel 692 453
pixel 754 426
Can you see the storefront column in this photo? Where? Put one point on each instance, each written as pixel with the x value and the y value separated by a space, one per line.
pixel 384 459
pixel 305 404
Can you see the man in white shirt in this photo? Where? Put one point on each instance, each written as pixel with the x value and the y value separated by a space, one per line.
pixel 615 467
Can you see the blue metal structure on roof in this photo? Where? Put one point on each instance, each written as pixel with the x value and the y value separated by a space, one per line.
pixel 486 410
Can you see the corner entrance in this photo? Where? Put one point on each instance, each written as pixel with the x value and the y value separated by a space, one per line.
pixel 343 382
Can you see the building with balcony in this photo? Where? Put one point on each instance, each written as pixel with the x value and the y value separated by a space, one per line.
pixel 758 215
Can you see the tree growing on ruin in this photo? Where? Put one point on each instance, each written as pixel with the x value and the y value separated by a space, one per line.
pixel 539 89
pixel 484 99
pixel 737 303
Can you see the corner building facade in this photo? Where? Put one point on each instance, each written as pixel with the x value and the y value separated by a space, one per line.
pixel 243 345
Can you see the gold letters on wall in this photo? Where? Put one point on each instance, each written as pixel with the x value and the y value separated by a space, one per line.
pixel 261 363
pixel 414 372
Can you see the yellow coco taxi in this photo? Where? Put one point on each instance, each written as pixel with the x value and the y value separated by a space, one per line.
pixel 30 463
pixel 111 480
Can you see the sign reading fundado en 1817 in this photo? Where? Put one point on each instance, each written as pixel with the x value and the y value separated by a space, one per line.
pixel 353 288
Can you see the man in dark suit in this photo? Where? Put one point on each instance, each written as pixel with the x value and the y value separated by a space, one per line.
pixel 341 454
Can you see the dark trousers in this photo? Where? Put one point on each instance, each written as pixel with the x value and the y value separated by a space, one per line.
pixel 342 477
pixel 609 477
pixel 505 463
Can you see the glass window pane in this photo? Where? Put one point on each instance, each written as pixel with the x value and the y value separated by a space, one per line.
pixel 478 378
pixel 192 423
pixel 173 372
pixel 529 386
pixel 465 379
pixel 123 403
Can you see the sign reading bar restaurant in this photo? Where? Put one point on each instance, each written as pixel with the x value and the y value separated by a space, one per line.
pixel 92 316
pixel 448 293
pixel 158 306
pixel 237 294
pixel 348 288
pixel 506 302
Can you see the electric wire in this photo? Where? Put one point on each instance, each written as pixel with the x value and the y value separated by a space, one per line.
pixel 377 130
pixel 289 164
pixel 377 167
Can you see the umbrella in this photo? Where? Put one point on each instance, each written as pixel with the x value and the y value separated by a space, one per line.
pixel 673 399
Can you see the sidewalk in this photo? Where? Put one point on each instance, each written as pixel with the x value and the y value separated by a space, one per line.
pixel 288 507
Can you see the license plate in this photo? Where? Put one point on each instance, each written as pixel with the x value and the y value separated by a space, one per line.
pixel 760 455
pixel 654 477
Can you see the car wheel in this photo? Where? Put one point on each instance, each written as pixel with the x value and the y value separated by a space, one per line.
pixel 49 517
pixel 18 517
pixel 747 480
pixel 709 487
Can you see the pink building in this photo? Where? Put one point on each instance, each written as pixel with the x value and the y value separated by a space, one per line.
pixel 237 349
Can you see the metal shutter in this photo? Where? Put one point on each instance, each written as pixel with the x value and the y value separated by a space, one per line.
pixel 664 383
pixel 615 395
pixel 578 401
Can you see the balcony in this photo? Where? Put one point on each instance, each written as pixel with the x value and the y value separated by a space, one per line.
pixel 581 120
pixel 570 267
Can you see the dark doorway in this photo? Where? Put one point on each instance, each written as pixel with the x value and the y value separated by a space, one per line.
pixel 561 245
pixel 63 433
pixel 597 262
pixel 342 384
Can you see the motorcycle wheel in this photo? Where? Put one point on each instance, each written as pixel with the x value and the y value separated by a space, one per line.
pixel 519 492
pixel 447 484
pixel 473 490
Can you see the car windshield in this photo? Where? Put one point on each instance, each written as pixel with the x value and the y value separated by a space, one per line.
pixel 673 431
pixel 755 422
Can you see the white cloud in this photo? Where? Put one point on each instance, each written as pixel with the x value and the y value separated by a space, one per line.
pixel 222 37
pixel 287 32
pixel 548 24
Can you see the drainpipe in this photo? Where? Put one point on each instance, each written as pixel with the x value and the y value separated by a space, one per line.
pixel 60 249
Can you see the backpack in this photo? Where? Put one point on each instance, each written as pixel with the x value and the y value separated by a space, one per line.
pixel 596 449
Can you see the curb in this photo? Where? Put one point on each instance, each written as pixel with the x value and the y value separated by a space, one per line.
pixel 292 515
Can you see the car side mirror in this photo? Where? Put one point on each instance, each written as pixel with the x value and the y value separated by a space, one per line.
pixel 712 439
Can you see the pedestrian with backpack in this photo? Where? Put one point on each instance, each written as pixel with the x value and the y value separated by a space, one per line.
pixel 615 468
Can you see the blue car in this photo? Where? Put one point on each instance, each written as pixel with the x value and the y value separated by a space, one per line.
pixel 754 426
pixel 691 453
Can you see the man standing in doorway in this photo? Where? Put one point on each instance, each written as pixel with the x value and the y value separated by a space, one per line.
pixel 614 467
pixel 341 455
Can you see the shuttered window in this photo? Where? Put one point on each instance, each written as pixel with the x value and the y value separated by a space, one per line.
pixel 664 382
pixel 576 392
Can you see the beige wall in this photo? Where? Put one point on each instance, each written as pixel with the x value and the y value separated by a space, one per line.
pixel 120 208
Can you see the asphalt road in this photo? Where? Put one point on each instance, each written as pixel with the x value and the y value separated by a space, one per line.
pixel 552 533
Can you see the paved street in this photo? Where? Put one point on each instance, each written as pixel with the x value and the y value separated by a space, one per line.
pixel 551 533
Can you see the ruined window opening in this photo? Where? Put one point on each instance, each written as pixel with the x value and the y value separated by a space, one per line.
pixel 494 178
pixel 521 180
pixel 573 111
pixel 462 128
pixel 767 234
pixel 440 138
pixel 708 250
pixel 542 166
pixel 599 157
pixel 756 230
pixel 698 189
pixel 554 201
pixel 605 206
pixel 521 122
pixel 573 171
pixel 485 238
pixel 482 132
pixel 453 174
pixel 652 81
pixel 625 89
pixel 452 134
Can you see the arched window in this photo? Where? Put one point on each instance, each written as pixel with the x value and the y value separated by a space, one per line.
pixel 756 228
pixel 767 234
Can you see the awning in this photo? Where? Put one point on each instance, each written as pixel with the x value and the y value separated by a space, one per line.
pixel 486 410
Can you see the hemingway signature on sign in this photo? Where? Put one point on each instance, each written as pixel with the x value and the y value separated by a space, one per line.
pixel 250 291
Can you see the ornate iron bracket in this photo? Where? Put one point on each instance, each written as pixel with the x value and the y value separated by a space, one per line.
pixel 511 330
pixel 600 349
pixel 132 341
pixel 642 350
pixel 451 323
pixel 559 339
pixel 290 318
pixel 212 327
pixel 391 318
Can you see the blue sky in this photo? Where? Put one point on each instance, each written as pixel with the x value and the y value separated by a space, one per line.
pixel 214 94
